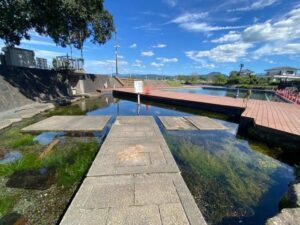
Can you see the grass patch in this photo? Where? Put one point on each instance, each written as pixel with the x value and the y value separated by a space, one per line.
pixel 174 83
pixel 72 160
pixel 66 111
pixel 7 203
pixel 28 161
pixel 13 138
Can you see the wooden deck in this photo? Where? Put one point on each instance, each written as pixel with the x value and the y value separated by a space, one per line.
pixel 281 117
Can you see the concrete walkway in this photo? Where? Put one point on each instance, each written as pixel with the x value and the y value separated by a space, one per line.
pixel 134 180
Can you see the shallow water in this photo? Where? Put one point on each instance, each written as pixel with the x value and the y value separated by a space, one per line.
pixel 231 183
pixel 233 93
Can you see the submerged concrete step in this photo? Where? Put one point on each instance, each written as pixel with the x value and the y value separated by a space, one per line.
pixel 69 124
pixel 190 123
pixel 134 180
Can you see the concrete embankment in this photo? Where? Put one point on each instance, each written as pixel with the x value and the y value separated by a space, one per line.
pixel 25 92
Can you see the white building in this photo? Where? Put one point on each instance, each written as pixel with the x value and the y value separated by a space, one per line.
pixel 18 57
pixel 41 63
pixel 283 73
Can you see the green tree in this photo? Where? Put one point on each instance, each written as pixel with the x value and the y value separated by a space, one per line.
pixel 219 79
pixel 67 22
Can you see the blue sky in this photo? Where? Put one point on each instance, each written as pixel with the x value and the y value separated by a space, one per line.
pixel 192 36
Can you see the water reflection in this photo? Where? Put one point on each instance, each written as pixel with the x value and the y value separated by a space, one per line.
pixel 231 183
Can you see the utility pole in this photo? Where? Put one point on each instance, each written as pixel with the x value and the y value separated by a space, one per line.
pixel 116 52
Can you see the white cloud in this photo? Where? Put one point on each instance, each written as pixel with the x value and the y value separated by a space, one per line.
pixel 138 63
pixel 157 65
pixel 104 66
pixel 232 36
pixel 277 49
pixel 222 53
pixel 204 27
pixel 256 5
pixel 286 29
pixel 279 37
pixel 167 60
pixel 171 3
pixel 148 27
pixel 194 22
pixel 189 17
pixel 37 42
pixel 107 62
pixel 204 65
pixel 159 46
pixel 134 45
pixel 47 54
pixel 147 53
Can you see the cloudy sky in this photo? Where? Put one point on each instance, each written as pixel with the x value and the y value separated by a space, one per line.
pixel 192 36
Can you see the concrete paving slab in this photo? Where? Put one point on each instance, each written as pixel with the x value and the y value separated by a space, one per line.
pixel 85 216
pixel 135 178
pixel 69 124
pixel 173 214
pixel 154 189
pixel 205 123
pixel 135 215
pixel 176 123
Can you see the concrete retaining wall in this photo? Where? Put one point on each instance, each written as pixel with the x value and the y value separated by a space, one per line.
pixel 20 86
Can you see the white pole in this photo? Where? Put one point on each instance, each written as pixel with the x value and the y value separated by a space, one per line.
pixel 139 98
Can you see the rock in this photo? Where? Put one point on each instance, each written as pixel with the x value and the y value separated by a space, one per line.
pixel 13 219
pixel 293 195
pixel 286 217
pixel 40 179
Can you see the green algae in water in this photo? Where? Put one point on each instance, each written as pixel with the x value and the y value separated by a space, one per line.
pixel 226 177
pixel 66 110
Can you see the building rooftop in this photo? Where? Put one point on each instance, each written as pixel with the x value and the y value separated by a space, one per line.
pixel 282 68
pixel 23 49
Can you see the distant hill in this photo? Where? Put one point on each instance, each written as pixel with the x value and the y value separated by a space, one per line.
pixel 211 75
pixel 145 76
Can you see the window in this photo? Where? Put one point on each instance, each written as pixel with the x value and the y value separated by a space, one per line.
pixel 290 72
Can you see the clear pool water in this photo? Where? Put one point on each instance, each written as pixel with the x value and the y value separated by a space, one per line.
pixel 230 92
pixel 232 183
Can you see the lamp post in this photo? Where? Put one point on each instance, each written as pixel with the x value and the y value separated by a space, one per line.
pixel 116 52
